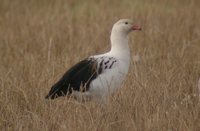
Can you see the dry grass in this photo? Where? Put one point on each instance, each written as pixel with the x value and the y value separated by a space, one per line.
pixel 40 39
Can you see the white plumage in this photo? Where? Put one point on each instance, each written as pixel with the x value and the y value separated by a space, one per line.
pixel 100 75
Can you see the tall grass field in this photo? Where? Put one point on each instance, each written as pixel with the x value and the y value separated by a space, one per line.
pixel 41 39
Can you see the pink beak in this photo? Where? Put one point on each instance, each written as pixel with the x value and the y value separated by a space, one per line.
pixel 136 27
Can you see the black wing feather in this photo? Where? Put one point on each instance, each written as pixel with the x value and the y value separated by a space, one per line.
pixel 79 75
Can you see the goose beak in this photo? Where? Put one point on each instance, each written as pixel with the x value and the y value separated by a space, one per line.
pixel 136 27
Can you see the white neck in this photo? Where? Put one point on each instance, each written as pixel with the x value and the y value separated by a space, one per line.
pixel 119 45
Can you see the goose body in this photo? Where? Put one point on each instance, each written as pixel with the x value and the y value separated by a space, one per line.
pixel 99 76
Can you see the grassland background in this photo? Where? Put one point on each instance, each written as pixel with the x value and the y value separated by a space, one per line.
pixel 41 39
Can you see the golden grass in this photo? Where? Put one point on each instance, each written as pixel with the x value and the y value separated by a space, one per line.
pixel 40 40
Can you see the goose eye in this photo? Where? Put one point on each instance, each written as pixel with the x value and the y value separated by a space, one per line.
pixel 126 23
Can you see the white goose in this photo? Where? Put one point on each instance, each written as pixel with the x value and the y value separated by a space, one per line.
pixel 99 76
